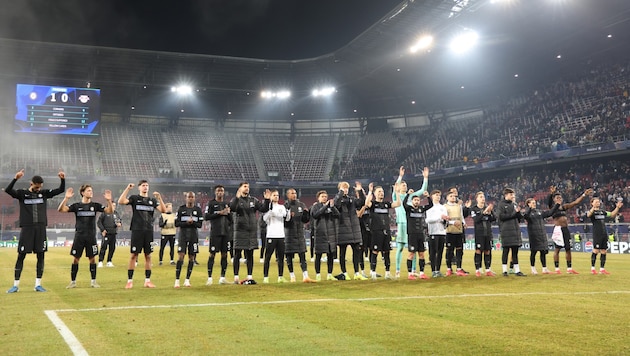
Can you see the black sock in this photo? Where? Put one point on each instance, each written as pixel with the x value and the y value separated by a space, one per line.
pixel 147 274
pixel 178 268
pixel 602 260
pixel 211 264
pixel 487 259
pixel 19 264
pixel 224 264
pixel 191 264
pixel 40 264
pixel 387 261
pixel 129 274
pixel 459 256
pixel 422 264
pixel 73 271
pixel 477 260
pixel 593 259
pixel 373 258
pixel 556 264
pixel 409 266
pixel 93 270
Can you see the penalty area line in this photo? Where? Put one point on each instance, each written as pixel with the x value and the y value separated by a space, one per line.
pixel 68 336
pixel 326 300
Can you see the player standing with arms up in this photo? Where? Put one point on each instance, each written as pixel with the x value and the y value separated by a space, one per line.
pixel 85 232
pixel 33 221
pixel 561 235
pixel 143 208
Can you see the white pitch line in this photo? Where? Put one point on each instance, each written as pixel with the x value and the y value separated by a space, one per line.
pixel 325 300
pixel 77 348
pixel 68 336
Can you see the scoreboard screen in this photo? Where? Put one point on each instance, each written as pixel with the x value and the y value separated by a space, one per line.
pixel 57 110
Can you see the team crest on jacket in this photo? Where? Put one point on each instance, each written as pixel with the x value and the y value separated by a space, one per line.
pixel 91 208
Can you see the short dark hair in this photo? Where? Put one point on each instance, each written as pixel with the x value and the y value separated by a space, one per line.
pixel 436 191
pixel 37 180
pixel 83 188
pixel 217 187
pixel 242 184
pixel 321 192
pixel 142 181
pixel 508 191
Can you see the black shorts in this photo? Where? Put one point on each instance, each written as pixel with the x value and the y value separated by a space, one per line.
pixel 220 243
pixel 188 245
pixel 141 240
pixel 483 243
pixel 600 243
pixel 454 240
pixel 87 243
pixel 33 239
pixel 381 241
pixel 415 243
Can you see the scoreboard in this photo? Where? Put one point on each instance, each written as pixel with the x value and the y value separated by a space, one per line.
pixel 57 109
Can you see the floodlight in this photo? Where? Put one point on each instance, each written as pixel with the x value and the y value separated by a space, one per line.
pixel 182 89
pixel 326 91
pixel 464 41
pixel 423 43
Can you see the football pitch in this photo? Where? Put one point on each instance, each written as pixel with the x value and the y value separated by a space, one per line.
pixel 542 314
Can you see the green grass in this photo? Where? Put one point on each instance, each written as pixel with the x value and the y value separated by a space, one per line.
pixel 551 314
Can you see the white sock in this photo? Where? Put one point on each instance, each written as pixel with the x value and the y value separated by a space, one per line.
pixel 516 268
pixel 38 282
pixel 504 268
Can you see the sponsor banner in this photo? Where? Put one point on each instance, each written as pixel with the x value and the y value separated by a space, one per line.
pixel 621 247
pixel 588 246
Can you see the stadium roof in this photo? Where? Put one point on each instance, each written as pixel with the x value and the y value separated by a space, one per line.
pixel 523 44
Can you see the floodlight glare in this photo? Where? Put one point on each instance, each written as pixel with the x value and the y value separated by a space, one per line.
pixel 182 89
pixel 423 43
pixel 283 94
pixel 464 41
pixel 326 91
